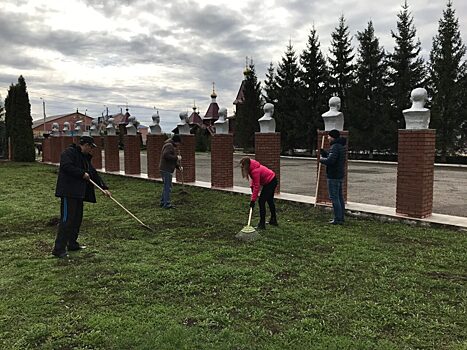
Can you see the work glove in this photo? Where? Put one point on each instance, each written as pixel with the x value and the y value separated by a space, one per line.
pixel 252 204
pixel 323 153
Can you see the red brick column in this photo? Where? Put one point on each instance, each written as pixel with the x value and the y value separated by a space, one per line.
pixel 66 141
pixel 46 151
pixel 268 152
pixel 55 149
pixel 112 157
pixel 97 153
pixel 415 172
pixel 323 195
pixel 187 151
pixel 154 143
pixel 132 150
pixel 222 160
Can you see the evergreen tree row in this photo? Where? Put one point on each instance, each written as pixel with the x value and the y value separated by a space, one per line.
pixel 373 84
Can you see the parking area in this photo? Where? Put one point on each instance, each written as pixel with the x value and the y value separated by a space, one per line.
pixel 368 182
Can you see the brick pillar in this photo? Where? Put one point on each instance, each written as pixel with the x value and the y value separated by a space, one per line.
pixel 154 143
pixel 112 157
pixel 97 153
pixel 55 149
pixel 46 151
pixel 323 195
pixel 65 142
pixel 222 160
pixel 187 151
pixel 132 150
pixel 415 172
pixel 268 152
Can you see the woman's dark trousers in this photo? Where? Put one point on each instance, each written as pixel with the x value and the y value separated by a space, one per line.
pixel 267 195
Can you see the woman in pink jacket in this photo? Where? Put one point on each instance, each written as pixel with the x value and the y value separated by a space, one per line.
pixel 259 176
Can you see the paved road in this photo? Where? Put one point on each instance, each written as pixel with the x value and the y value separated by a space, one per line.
pixel 370 183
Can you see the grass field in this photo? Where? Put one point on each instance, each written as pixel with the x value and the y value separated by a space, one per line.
pixel 191 285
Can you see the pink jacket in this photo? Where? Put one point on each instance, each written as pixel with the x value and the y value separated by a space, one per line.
pixel 260 176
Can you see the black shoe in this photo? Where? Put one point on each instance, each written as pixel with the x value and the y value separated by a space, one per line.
pixel 273 222
pixel 170 206
pixel 261 227
pixel 60 255
pixel 76 248
pixel 334 222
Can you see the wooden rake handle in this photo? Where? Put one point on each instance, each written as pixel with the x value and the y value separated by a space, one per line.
pixel 121 206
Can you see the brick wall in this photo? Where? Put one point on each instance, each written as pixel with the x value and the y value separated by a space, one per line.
pixel 187 151
pixel 97 153
pixel 55 149
pixel 46 151
pixel 154 145
pixel 323 195
pixel 222 160
pixel 132 149
pixel 112 158
pixel 268 151
pixel 415 172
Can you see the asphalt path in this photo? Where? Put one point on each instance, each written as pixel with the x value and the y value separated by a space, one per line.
pixel 368 182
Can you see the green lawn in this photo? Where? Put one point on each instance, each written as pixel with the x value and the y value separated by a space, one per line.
pixel 192 285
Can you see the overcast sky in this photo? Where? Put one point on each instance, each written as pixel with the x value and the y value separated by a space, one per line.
pixel 89 54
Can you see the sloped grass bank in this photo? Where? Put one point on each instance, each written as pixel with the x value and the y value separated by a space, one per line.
pixel 191 285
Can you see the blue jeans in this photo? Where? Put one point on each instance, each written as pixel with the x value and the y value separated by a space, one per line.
pixel 337 199
pixel 167 179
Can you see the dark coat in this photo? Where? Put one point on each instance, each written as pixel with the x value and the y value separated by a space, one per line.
pixel 70 182
pixel 169 159
pixel 335 159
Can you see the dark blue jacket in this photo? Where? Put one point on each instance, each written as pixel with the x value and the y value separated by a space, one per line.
pixel 70 182
pixel 335 159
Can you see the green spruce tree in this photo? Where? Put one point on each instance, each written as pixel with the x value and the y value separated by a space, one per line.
pixel 19 122
pixel 314 77
pixel 289 120
pixel 447 70
pixel 342 69
pixel 250 110
pixel 407 69
pixel 3 143
pixel 370 124
pixel 270 87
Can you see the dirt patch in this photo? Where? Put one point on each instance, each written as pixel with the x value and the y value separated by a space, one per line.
pixel 190 322
pixel 447 276
pixel 52 222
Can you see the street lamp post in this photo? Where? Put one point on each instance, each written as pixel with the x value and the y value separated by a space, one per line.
pixel 43 109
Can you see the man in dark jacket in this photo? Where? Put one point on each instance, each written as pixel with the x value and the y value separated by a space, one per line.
pixel 335 171
pixel 73 187
pixel 168 163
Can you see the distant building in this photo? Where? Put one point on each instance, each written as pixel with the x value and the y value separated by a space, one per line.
pixel 212 114
pixel 72 118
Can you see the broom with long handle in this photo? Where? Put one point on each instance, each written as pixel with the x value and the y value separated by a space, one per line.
pixel 249 217
pixel 121 206
pixel 319 173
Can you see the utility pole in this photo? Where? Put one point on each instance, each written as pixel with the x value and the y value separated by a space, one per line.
pixel 43 109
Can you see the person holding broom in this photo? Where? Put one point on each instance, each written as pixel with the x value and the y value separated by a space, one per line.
pixel 74 188
pixel 261 176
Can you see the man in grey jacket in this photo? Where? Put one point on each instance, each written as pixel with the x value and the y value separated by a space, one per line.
pixel 169 162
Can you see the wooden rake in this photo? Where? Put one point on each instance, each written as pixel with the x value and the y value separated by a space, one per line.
pixel 121 206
